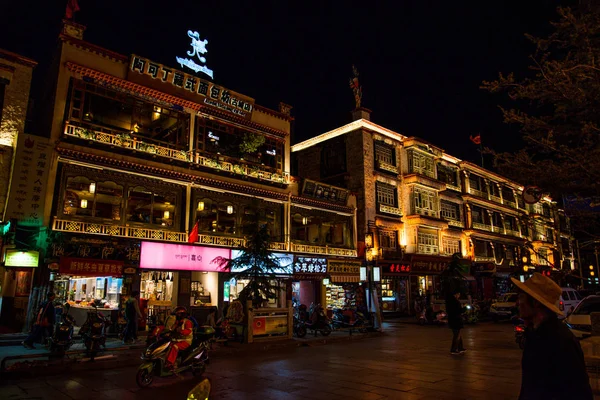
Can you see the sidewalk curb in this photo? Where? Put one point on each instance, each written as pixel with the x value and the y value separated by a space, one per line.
pixel 131 356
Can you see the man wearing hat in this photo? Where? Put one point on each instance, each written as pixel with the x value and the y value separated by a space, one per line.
pixel 553 366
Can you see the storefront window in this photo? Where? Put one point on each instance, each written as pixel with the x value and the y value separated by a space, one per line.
pixel 85 197
pixel 146 207
pixel 321 229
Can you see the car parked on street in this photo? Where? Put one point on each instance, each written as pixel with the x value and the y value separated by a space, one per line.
pixel 579 321
pixel 569 299
pixel 505 307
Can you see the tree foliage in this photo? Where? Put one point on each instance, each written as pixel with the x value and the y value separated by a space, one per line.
pixel 558 111
pixel 257 264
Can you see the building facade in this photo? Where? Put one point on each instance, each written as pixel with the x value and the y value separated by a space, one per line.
pixel 148 157
pixel 424 205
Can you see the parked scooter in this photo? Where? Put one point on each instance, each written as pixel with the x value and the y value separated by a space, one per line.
pixel 193 358
pixel 317 320
pixel 299 327
pixel 93 332
pixel 62 339
pixel 341 321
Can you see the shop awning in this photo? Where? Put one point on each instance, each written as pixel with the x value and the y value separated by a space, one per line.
pixel 345 278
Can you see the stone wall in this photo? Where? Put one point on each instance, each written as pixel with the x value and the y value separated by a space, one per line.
pixel 309 163
pixel 16 101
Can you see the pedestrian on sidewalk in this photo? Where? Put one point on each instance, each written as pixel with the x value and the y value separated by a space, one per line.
pixel 132 313
pixel 553 365
pixel 44 323
pixel 455 321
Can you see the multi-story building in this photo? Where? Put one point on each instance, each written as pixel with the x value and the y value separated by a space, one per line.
pixel 146 156
pixel 424 206
pixel 15 82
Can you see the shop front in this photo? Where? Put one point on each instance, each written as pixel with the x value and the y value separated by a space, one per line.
pixel 16 286
pixel 425 282
pixel 342 285
pixel 179 275
pixel 281 277
pixel 307 280
pixel 395 293
pixel 89 284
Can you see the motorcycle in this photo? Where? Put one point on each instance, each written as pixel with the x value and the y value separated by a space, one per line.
pixel 299 327
pixel 62 339
pixel 93 332
pixel 193 358
pixel 430 317
pixel 471 315
pixel 318 321
pixel 341 321
pixel 519 328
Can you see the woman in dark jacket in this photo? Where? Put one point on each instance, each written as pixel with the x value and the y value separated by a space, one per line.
pixel 455 310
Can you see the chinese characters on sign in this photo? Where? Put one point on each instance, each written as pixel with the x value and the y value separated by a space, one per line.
pixel 199 50
pixel 90 267
pixel 197 89
pixel 180 257
pixel 27 192
pixel 310 267
pixel 431 266
pixel 395 268
pixel 320 191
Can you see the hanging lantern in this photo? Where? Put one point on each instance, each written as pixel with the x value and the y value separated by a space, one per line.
pixel 201 206
pixel 304 220
pixel 166 215
pixel 229 209
pixel 93 187
pixel 83 203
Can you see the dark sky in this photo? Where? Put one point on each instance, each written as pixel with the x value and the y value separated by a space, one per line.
pixel 420 62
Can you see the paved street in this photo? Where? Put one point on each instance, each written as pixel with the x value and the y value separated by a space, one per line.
pixel 409 362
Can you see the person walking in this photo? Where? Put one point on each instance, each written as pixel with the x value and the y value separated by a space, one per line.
pixel 132 313
pixel 553 366
pixel 44 323
pixel 455 310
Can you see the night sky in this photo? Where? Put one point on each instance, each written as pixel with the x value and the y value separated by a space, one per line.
pixel 420 62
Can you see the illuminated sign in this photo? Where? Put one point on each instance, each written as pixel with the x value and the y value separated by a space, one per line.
pixel 179 257
pixel 395 268
pixel 283 260
pixel 90 267
pixel 310 265
pixel 213 136
pixel 17 258
pixel 272 152
pixel 189 86
pixel 199 50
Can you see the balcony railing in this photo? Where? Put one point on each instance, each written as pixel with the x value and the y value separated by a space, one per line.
pixel 509 203
pixel 387 167
pixel 497 229
pixel 484 259
pixel 390 210
pixel 483 227
pixel 478 193
pixel 458 224
pixel 513 233
pixel 426 211
pixel 126 140
pixel 427 249
pixel 92 228
pixel 496 199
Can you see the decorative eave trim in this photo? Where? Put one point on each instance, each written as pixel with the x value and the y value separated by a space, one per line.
pixel 211 111
pixel 161 172
pixel 101 51
pixel 477 234
pixel 273 113
pixel 17 58
pixel 321 204
pixel 492 206
pixel 134 87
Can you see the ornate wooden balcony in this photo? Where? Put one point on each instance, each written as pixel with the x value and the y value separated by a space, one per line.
pixel 390 210
pixel 92 228
pixel 128 141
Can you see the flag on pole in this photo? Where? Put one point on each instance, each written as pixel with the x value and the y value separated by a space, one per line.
pixel 476 139
pixel 193 238
pixel 72 8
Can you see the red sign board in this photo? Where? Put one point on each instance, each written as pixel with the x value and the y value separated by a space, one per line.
pixel 90 267
pixel 393 269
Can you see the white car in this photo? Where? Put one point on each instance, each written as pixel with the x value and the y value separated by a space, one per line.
pixel 569 300
pixel 505 307
pixel 579 321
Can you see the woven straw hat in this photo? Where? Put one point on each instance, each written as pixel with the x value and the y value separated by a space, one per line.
pixel 543 289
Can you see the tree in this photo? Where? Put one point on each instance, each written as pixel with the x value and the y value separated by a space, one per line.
pixel 257 264
pixel 558 111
